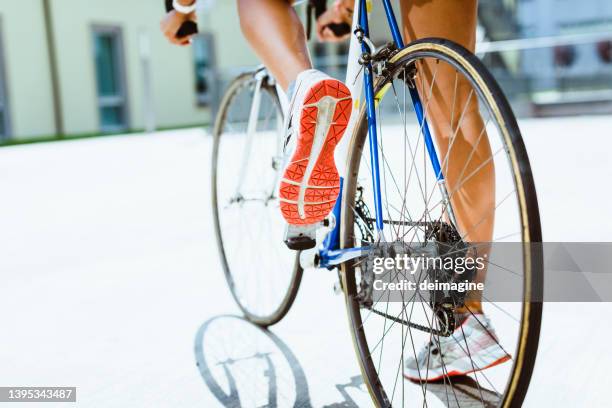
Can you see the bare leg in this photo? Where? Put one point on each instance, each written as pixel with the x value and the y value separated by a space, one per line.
pixel 276 33
pixel 474 202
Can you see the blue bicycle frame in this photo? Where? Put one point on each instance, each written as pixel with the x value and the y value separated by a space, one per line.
pixel 330 254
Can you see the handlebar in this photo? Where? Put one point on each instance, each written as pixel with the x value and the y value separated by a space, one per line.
pixel 188 27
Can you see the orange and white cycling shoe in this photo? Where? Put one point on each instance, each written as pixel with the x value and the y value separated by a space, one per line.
pixel 318 117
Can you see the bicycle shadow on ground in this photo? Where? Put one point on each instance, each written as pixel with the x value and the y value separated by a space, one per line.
pixel 465 393
pixel 244 365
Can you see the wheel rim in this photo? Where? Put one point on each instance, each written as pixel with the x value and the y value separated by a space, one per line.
pixel 387 385
pixel 261 272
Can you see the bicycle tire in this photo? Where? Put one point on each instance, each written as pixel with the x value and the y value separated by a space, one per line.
pixel 531 313
pixel 287 301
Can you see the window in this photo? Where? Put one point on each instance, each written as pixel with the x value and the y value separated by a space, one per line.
pixel 110 79
pixel 203 54
pixel 4 115
pixel 604 50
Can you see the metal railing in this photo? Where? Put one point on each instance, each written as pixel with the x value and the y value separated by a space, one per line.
pixel 531 71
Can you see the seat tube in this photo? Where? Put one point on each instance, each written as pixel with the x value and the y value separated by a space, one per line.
pixel 371 112
pixel 373 139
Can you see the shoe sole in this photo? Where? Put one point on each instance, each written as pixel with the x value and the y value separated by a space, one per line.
pixel 311 184
pixel 455 373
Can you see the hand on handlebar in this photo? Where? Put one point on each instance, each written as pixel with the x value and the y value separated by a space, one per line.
pixel 338 14
pixel 171 25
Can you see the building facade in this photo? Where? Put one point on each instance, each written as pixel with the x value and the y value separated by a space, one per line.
pixel 80 67
pixel 572 72
pixel 75 67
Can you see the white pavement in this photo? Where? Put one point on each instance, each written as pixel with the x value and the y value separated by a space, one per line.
pixel 109 268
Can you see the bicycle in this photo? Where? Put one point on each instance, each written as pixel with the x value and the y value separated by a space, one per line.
pixel 400 172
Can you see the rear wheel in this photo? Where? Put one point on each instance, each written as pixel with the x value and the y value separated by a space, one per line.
pixel 262 273
pixel 388 332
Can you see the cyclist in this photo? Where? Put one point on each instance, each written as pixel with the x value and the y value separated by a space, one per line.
pixel 317 120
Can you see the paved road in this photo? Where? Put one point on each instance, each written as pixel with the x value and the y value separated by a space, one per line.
pixel 110 280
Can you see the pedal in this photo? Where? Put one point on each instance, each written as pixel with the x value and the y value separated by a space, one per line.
pixel 301 237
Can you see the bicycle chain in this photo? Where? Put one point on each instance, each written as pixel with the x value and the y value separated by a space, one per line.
pixel 435 332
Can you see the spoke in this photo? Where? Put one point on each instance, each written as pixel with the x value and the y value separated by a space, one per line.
pixel 421 127
pixel 458 187
pixel 384 159
pixel 384 327
pixel 455 133
pixel 484 217
pixel 469 158
pixel 401 360
pixel 454 100
pixel 472 363
pixel 490 302
pixel 488 332
pixel 503 268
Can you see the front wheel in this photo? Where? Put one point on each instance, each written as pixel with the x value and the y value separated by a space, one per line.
pixel 263 275
pixel 410 355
